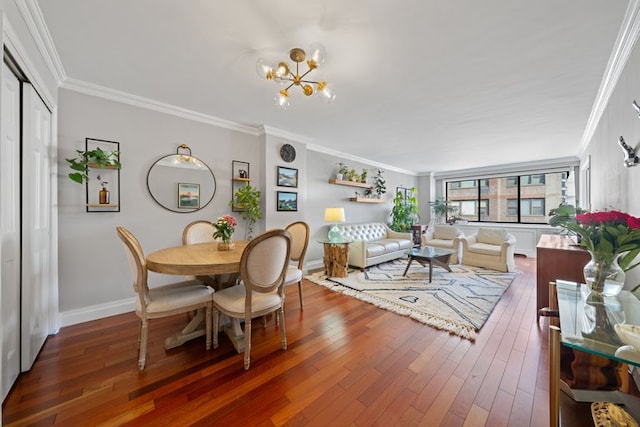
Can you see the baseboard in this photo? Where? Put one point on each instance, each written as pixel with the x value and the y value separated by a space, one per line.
pixel 314 265
pixel 95 312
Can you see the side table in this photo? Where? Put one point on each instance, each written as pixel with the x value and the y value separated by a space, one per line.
pixel 336 257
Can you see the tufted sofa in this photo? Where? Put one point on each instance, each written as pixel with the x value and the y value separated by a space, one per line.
pixel 374 243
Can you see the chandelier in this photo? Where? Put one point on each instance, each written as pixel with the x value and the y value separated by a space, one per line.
pixel 283 74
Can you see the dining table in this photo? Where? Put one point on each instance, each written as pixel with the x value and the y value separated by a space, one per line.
pixel 218 269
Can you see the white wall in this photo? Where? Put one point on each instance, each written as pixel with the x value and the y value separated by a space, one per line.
pixel 614 186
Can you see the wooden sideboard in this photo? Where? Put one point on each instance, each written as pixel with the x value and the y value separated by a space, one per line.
pixel 558 257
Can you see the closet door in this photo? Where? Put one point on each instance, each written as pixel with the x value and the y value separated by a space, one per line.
pixel 36 224
pixel 10 228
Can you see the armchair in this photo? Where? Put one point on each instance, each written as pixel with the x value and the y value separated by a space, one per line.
pixel 444 236
pixel 490 248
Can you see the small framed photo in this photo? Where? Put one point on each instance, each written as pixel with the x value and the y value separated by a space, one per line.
pixel 287 201
pixel 287 177
pixel 188 196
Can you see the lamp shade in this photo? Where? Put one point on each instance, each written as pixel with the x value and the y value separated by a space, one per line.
pixel 334 215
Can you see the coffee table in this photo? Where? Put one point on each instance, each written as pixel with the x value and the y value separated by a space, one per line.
pixel 430 255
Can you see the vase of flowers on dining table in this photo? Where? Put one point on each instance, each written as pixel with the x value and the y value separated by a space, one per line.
pixel 224 227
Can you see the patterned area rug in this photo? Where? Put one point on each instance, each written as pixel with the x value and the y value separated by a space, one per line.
pixel 458 302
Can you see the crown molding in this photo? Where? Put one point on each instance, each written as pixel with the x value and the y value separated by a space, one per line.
pixel 346 156
pixel 34 20
pixel 138 101
pixel 627 37
pixel 271 131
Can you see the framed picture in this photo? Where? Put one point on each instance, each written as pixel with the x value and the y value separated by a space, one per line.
pixel 287 201
pixel 287 177
pixel 188 196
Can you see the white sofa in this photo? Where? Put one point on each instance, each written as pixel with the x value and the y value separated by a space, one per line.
pixel 374 243
pixel 446 237
pixel 491 248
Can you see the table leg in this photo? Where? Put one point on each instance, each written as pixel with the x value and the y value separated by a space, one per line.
pixel 408 264
pixel 554 376
pixel 194 329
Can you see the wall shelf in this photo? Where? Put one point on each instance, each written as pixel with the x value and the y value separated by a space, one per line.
pixel 109 175
pixel 365 200
pixel 349 183
pixel 240 175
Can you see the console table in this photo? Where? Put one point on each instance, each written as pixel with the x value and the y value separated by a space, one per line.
pixel 558 257
pixel 588 326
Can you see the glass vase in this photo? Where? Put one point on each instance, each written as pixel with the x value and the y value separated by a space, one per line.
pixel 604 277
pixel 226 246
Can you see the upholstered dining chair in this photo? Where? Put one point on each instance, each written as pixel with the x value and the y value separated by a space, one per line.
pixel 199 231
pixel 299 242
pixel 263 267
pixel 165 300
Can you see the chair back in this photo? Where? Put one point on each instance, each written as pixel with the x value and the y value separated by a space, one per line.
pixel 137 264
pixel 299 241
pixel 264 262
pixel 197 232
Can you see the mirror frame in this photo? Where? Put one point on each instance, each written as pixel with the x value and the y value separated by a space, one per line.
pixel 202 205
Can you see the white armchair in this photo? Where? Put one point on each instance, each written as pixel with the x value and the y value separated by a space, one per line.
pixel 446 237
pixel 490 248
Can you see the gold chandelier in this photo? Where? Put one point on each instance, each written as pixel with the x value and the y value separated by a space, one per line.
pixel 283 74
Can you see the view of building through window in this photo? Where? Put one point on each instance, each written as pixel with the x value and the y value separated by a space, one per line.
pixel 519 199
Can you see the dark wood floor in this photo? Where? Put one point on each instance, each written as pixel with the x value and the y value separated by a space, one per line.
pixel 348 364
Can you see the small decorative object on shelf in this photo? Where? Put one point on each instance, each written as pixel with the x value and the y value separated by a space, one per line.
pixel 613 240
pixel 103 194
pixel 224 228
pixel 363 176
pixel 379 183
pixel 343 170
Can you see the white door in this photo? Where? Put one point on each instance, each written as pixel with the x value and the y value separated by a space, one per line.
pixel 10 228
pixel 36 224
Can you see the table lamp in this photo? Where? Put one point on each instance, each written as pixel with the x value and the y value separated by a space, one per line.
pixel 334 215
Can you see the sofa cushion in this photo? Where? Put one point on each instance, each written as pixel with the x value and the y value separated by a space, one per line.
pixel 492 236
pixel 367 232
pixel 445 232
pixel 375 249
pixel 390 245
pixel 486 249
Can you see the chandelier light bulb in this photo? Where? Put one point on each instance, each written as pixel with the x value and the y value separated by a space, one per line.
pixel 263 69
pixel 282 71
pixel 327 91
pixel 282 99
pixel 316 55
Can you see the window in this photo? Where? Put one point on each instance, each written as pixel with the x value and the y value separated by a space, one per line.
pixel 515 199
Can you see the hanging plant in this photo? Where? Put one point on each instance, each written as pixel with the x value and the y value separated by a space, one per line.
pixel 95 158
pixel 247 199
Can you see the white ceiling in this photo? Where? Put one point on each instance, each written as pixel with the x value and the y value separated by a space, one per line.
pixel 422 85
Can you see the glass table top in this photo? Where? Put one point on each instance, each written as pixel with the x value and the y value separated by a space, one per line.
pixel 336 242
pixel 587 322
pixel 430 252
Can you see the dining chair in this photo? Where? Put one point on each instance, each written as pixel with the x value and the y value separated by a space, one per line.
pixel 165 300
pixel 263 267
pixel 299 241
pixel 199 231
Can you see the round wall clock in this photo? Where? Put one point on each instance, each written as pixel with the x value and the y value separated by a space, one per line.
pixel 288 153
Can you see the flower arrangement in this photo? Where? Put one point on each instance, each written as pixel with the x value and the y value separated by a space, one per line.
pixel 607 235
pixel 224 228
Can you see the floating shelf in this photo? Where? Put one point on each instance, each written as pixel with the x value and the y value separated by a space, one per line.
pixel 104 205
pixel 242 179
pixel 349 183
pixel 365 200
pixel 96 166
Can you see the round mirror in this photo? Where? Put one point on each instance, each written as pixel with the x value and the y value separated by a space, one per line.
pixel 181 183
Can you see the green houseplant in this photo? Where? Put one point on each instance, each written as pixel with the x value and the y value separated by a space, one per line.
pixel 379 183
pixel 442 208
pixel 404 212
pixel 247 199
pixel 97 158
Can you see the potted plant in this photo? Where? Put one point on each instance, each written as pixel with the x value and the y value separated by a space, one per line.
pixel 363 176
pixel 353 175
pixel 379 183
pixel 247 198
pixel 404 212
pixel 442 208
pixel 343 170
pixel 96 158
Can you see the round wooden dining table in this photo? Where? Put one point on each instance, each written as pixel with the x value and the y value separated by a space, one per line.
pixel 217 269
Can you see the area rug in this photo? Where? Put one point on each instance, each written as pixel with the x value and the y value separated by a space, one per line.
pixel 458 302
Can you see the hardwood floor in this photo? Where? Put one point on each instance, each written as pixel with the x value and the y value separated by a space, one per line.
pixel 348 364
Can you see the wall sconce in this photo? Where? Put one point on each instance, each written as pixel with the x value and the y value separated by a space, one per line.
pixel 630 157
